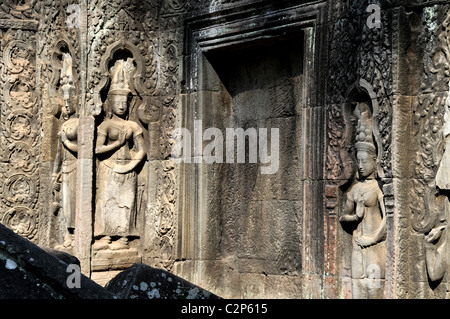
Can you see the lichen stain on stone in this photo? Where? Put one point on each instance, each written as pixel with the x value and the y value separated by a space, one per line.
pixel 192 294
pixel 10 264
pixel 143 286
pixel 153 294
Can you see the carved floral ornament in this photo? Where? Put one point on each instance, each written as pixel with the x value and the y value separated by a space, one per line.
pixel 17 55
pixel 18 9
pixel 19 188
pixel 20 132
pixel 19 5
pixel 22 221
pixel 172 6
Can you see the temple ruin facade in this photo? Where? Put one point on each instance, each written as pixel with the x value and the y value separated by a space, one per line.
pixel 256 148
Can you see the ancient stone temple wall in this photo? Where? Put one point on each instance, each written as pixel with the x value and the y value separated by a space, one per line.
pixel 257 148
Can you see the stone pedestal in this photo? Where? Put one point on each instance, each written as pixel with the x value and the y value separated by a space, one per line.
pixel 106 264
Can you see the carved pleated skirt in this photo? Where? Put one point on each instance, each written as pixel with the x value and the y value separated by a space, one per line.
pixel 115 209
pixel 68 192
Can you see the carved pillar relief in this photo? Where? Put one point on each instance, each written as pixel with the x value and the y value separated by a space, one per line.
pixel 20 123
pixel 20 128
pixel 163 211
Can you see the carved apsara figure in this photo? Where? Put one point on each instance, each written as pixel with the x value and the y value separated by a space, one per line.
pixel 120 147
pixel 68 136
pixel 365 211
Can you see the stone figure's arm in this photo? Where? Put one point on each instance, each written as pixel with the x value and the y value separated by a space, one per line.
pixel 349 210
pixel 137 158
pixel 73 147
pixel 101 148
pixel 56 175
pixel 435 259
pixel 140 146
pixel 380 234
pixel 58 160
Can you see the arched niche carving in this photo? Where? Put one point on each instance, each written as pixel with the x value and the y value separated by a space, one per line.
pixel 140 94
pixel 361 93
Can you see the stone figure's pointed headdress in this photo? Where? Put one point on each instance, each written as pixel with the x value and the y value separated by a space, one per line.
pixel 66 76
pixel 364 139
pixel 120 75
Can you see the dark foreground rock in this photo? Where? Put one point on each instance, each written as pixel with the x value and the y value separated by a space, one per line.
pixel 144 282
pixel 65 257
pixel 30 272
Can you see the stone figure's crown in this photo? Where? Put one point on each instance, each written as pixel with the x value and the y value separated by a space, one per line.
pixel 121 74
pixel 364 139
pixel 66 76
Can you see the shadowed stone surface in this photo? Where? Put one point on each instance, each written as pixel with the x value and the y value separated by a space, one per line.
pixel 29 272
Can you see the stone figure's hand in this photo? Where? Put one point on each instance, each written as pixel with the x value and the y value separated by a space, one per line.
pixel 56 182
pixel 434 234
pixel 122 137
pixel 56 187
pixel 62 136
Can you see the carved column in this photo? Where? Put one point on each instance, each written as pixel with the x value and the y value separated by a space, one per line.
pixel 85 165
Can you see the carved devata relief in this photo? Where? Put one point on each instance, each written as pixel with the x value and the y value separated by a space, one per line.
pixel 122 85
pixel 131 28
pixel 364 213
pixel 124 54
pixel 121 149
pixel 20 134
pixel 64 95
